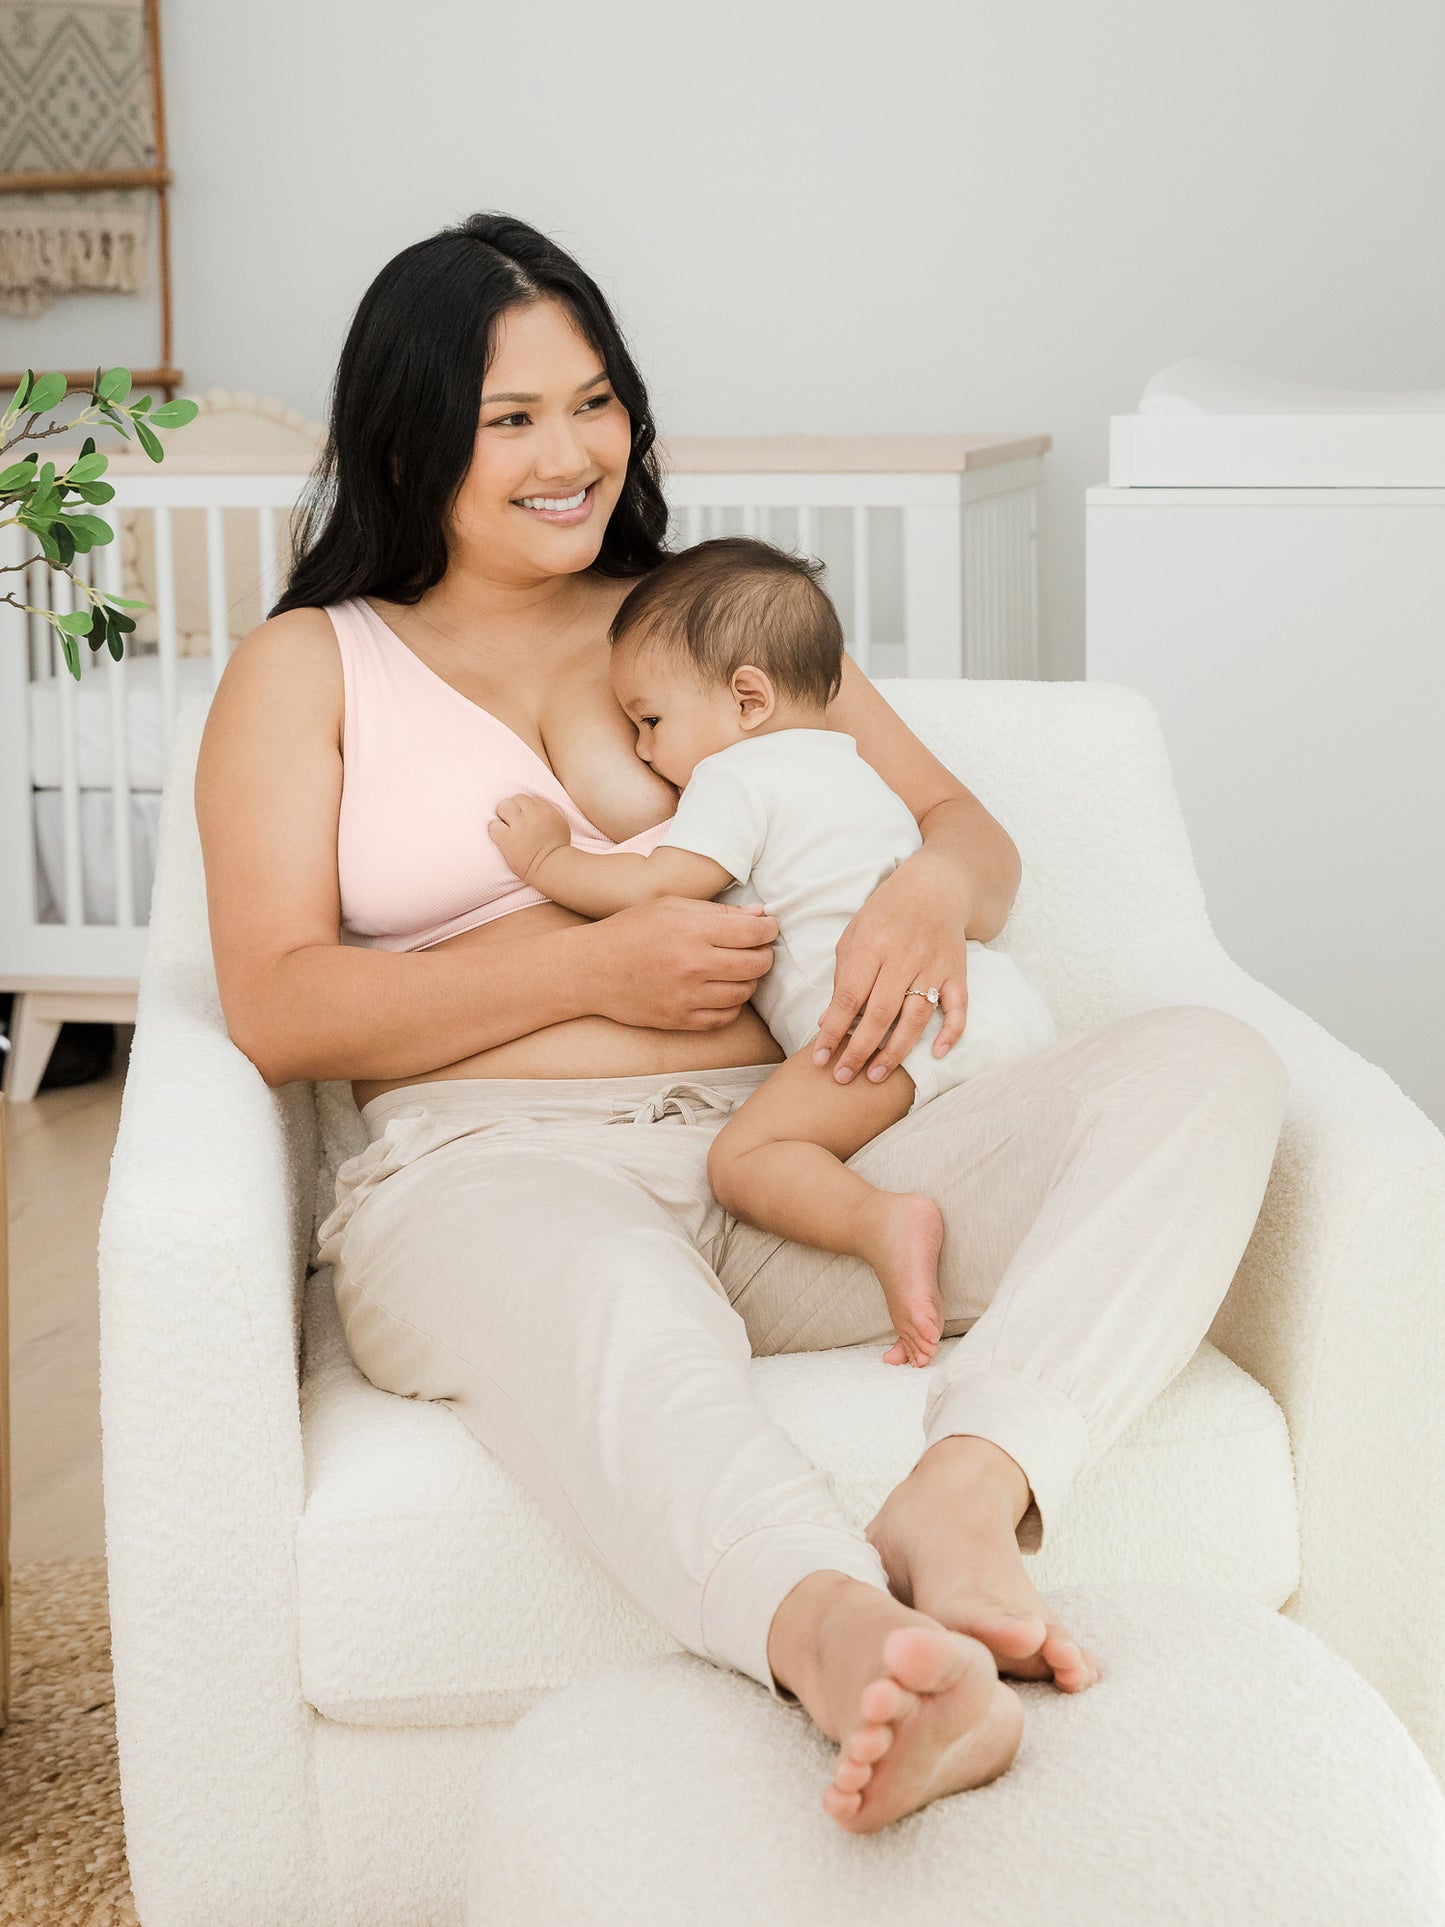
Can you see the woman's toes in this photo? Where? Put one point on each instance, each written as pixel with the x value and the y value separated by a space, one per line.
pixel 869 1743
pixel 1073 1668
pixel 841 1806
pixel 885 1699
pixel 851 1776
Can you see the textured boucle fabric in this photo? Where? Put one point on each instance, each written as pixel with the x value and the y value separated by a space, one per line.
pixel 1227 1768
pixel 229 1526
pixel 408 1526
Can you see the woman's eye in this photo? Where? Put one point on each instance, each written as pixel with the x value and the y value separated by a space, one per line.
pixel 600 401
pixel 652 721
pixel 503 420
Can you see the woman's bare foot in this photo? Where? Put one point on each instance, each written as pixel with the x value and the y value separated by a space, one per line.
pixel 918 1711
pixel 946 1537
pixel 901 1235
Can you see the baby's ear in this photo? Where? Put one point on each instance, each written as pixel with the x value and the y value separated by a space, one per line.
pixel 754 694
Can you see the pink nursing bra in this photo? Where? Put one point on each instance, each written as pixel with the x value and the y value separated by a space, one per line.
pixel 424 769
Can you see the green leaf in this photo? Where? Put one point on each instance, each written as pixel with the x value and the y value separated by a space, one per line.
pixel 99 530
pixel 87 469
pixel 114 385
pixel 175 414
pixel 122 624
pixel 21 474
pixel 22 393
pixel 77 624
pixel 87 447
pixel 99 627
pixel 115 644
pixel 95 492
pixel 122 602
pixel 142 407
pixel 64 542
pixel 46 393
pixel 149 442
pixel 72 655
pixel 116 417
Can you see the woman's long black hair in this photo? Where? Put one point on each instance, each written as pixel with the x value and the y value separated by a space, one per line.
pixel 405 407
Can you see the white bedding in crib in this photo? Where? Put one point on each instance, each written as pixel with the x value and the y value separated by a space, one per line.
pixel 97 853
pixel 90 700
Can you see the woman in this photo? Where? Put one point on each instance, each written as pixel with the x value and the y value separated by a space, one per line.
pixel 529 1233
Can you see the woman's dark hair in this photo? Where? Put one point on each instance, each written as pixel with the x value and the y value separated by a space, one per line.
pixel 405 405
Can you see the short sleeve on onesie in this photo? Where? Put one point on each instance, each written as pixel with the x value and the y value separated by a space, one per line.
pixel 719 815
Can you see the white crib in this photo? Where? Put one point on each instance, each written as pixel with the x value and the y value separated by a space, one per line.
pixel 930 550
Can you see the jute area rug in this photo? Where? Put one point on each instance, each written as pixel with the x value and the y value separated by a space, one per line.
pixel 62 1846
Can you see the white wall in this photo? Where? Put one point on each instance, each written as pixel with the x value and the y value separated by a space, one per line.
pixel 924 215
pixel 928 215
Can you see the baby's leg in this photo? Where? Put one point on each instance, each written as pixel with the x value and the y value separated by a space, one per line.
pixel 778 1164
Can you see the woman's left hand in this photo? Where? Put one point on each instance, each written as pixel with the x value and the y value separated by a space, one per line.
pixel 910 934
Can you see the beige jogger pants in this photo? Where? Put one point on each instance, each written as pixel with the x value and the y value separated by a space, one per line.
pixel 546 1255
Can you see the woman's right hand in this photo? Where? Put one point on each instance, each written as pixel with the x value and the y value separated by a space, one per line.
pixel 680 964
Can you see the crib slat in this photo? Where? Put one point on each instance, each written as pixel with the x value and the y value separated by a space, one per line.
pixel 125 915
pixel 861 643
pixel 167 643
pixel 216 585
pixel 266 540
pixel 62 601
pixel 805 529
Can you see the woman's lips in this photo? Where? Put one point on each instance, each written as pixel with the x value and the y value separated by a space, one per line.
pixel 563 518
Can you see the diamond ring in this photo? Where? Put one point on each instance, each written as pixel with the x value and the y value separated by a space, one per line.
pixel 931 994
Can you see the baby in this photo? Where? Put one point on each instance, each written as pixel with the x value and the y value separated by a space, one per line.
pixel 725 657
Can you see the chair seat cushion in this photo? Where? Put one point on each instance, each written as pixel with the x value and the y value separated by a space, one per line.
pixel 434 1592
pixel 1227 1767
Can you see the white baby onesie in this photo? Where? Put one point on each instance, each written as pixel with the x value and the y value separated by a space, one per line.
pixel 809 830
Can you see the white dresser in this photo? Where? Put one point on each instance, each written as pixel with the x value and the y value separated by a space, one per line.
pixel 1288 623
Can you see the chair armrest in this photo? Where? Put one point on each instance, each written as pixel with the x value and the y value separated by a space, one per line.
pixel 202 1262
pixel 1338 1309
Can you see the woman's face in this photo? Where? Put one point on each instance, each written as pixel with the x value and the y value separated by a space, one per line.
pixel 551 452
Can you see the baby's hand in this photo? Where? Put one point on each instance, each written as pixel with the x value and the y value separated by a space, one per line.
pixel 525 829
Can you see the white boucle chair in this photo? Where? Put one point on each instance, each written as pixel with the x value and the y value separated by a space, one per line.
pixel 328 1604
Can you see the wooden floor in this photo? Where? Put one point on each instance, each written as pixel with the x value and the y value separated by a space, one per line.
pixel 59 1162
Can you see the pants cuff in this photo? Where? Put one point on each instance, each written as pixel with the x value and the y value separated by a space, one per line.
pixel 1033 1423
pixel 754 1576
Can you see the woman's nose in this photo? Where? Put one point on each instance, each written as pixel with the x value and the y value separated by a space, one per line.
pixel 560 455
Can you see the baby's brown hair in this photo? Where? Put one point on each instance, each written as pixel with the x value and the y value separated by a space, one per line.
pixel 735 600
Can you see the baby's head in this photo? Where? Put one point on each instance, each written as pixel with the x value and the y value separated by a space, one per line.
pixel 730 639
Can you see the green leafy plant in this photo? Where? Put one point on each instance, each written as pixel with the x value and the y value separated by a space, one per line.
pixel 52 507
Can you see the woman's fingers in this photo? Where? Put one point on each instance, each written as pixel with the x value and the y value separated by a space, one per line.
pixel 848 999
pixel 883 1006
pixel 912 1020
pixel 953 1002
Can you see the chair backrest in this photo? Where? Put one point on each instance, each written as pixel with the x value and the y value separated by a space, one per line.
pixel 1079 776
pixel 1076 772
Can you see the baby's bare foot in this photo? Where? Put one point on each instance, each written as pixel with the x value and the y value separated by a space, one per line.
pixel 935 1719
pixel 902 1235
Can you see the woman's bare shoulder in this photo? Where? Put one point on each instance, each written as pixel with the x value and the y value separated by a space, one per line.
pixel 289 663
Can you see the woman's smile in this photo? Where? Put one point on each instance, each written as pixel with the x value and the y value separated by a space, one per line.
pixel 562 509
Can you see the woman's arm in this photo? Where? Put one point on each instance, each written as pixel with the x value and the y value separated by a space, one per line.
pixel 534 838
pixel 912 932
pixel 301 1004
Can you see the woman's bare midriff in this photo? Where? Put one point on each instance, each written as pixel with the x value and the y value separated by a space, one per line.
pixel 588 1046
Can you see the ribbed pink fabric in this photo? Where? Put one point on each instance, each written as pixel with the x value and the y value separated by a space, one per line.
pixel 424 770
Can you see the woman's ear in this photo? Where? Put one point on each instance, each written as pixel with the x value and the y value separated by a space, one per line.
pixel 754 695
